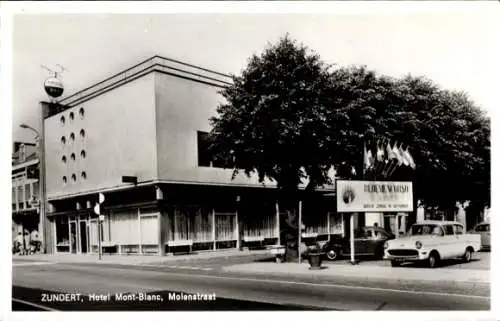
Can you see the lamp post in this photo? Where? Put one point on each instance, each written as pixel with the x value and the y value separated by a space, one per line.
pixel 41 184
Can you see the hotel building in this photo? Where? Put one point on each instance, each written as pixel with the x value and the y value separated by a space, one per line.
pixel 139 138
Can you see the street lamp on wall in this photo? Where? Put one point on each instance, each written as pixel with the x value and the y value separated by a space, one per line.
pixel 41 185
pixel 37 137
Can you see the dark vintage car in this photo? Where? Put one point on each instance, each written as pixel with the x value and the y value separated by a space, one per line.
pixel 367 241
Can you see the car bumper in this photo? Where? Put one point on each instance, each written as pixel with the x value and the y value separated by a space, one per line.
pixel 420 255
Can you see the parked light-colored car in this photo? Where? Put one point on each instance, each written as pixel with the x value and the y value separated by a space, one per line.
pixel 432 241
pixel 483 229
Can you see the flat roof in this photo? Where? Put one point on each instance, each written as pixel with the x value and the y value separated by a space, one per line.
pixel 156 63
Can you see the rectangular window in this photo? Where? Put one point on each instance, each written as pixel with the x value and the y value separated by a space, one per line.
pixel 483 228
pixel 27 195
pixel 204 158
pixel 20 194
pixel 36 189
pixel 448 229
pixel 14 198
pixel 459 230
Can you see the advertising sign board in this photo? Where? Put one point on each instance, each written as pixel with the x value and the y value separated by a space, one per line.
pixel 374 196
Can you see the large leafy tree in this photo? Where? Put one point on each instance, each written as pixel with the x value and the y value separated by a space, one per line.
pixel 289 115
pixel 274 122
pixel 447 134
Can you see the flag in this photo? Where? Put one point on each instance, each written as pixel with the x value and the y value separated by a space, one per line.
pixel 380 153
pixel 397 155
pixel 402 152
pixel 394 159
pixel 410 158
pixel 379 158
pixel 368 159
pixel 390 158
pixel 398 159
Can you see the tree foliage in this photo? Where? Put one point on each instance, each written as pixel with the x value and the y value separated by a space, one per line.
pixel 289 116
pixel 274 121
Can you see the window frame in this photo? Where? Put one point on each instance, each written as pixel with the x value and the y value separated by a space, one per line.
pixel 445 229
pixel 457 227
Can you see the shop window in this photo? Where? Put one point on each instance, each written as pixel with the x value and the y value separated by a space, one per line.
pixel 36 189
pixel 27 194
pixel 14 198
pixel 20 194
pixel 62 234
pixel 82 133
pixel 82 113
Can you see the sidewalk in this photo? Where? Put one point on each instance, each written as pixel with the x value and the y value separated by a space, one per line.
pixel 400 274
pixel 139 259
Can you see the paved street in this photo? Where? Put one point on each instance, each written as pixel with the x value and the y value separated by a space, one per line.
pixel 243 290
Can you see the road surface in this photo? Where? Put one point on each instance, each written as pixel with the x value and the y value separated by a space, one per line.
pixel 35 281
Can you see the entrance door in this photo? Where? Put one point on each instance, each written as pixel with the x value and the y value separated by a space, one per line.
pixel 72 231
pixel 83 236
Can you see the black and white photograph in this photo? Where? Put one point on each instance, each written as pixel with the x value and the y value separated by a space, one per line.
pixel 307 157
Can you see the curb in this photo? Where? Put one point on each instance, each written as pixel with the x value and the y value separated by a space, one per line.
pixel 230 269
pixel 166 260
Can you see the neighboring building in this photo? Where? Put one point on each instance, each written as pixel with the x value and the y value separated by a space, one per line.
pixel 150 122
pixel 25 187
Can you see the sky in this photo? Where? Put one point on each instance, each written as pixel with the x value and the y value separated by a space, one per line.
pixel 454 49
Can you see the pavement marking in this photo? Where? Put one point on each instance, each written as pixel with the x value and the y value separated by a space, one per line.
pixel 39 306
pixel 32 263
pixel 333 285
pixel 315 284
pixel 185 267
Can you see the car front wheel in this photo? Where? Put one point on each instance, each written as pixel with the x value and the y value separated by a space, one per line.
pixel 433 260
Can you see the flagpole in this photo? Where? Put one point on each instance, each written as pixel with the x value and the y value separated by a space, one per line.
pixel 300 230
pixel 396 163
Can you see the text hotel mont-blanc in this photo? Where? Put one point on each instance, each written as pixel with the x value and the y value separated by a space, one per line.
pixel 126 297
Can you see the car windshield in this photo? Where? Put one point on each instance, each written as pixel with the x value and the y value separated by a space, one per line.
pixel 426 229
pixel 483 228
